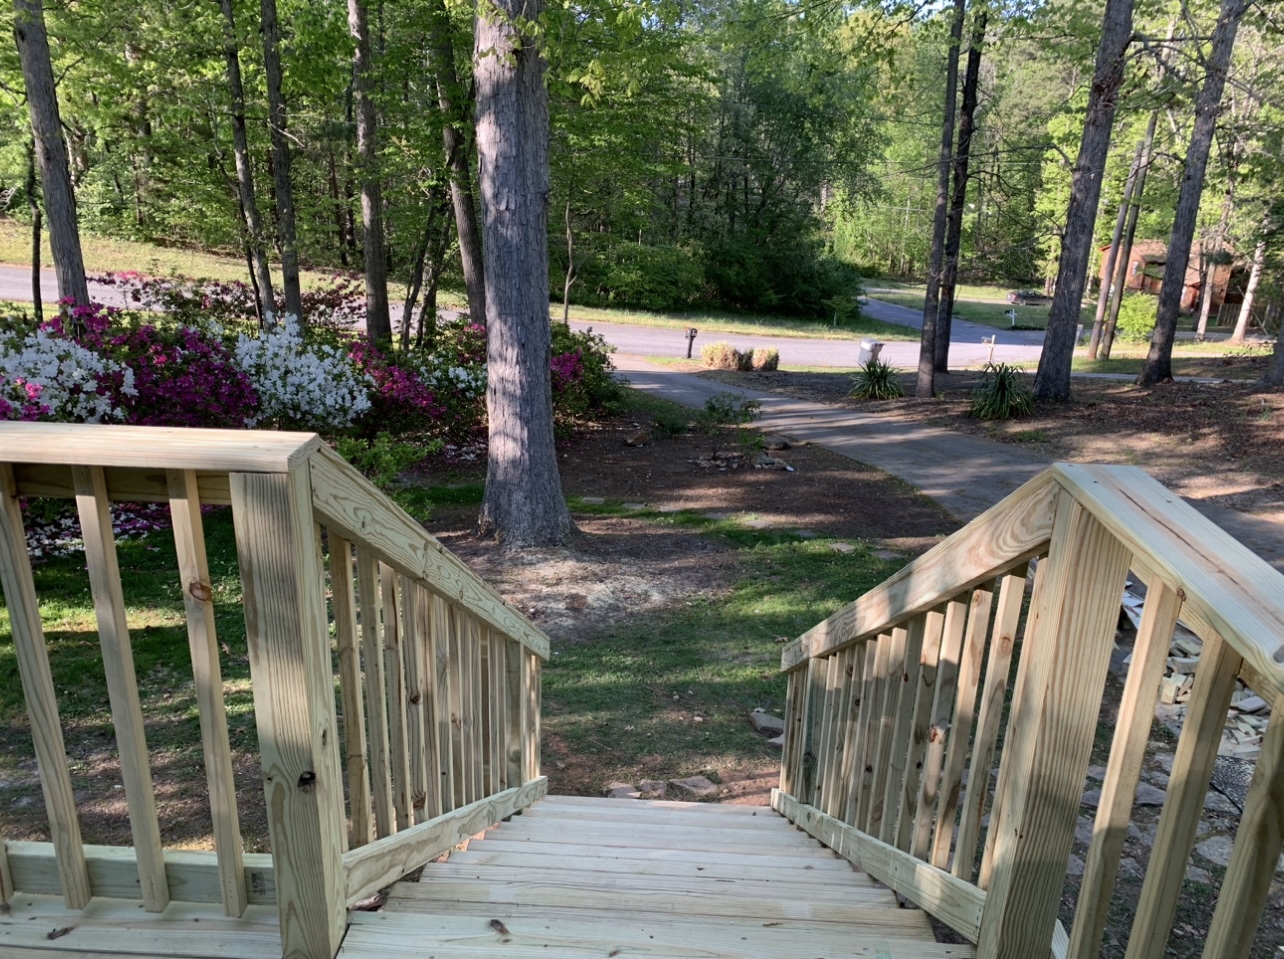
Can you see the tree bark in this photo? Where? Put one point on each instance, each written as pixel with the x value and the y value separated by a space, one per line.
pixel 926 385
pixel 254 236
pixel 1052 380
pixel 1219 242
pixel 1158 367
pixel 1130 234
pixel 954 225
pixel 378 319
pixel 277 121
pixel 437 209
pixel 1112 257
pixel 454 103
pixel 33 204
pixel 1275 374
pixel 1250 293
pixel 523 503
pixel 51 151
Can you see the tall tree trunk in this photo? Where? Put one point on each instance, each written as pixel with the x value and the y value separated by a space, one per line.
pixel 1250 293
pixel 33 204
pixel 1210 264
pixel 1052 380
pixel 340 233
pixel 436 264
pixel 1275 374
pixel 1158 367
pixel 436 210
pixel 454 108
pixel 954 225
pixel 926 384
pixel 1112 257
pixel 254 236
pixel 378 320
pixel 277 120
pixel 1130 234
pixel 51 151
pixel 571 275
pixel 523 503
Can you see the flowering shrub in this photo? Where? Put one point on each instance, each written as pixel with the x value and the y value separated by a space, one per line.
pixel 191 302
pixel 400 400
pixel 298 385
pixel 46 375
pixel 582 371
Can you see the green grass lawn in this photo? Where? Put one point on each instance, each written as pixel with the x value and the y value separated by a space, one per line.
pixel 742 323
pixel 993 314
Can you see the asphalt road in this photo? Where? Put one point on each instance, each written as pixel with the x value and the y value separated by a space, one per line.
pixel 966 348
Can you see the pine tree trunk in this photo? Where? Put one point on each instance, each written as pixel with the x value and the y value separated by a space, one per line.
pixel 954 226
pixel 1112 257
pixel 1219 243
pixel 1250 293
pixel 1052 381
pixel 454 102
pixel 378 319
pixel 523 504
pixel 277 119
pixel 33 204
pixel 926 384
pixel 1275 375
pixel 1130 234
pixel 254 236
pixel 51 151
pixel 1158 367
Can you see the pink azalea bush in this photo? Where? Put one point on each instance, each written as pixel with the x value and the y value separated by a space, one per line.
pixel 400 400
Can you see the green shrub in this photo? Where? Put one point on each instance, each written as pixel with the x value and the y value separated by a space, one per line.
pixel 1137 314
pixel 766 360
pixel 624 273
pixel 720 356
pixel 876 380
pixel 1002 394
pixel 728 409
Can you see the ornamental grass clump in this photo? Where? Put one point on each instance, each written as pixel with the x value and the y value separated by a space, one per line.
pixel 720 356
pixel 766 360
pixel 876 380
pixel 1002 394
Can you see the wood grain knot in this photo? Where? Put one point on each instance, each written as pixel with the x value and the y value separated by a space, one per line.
pixel 307 779
pixel 200 591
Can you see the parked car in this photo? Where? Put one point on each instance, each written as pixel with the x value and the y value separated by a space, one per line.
pixel 1027 298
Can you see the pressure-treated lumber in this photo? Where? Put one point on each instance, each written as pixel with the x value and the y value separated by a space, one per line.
pixel 1123 771
pixel 386 860
pixel 348 647
pixel 38 693
pixel 293 685
pixel 376 693
pixel 1000 538
pixel 425 604
pixel 1054 720
pixel 122 681
pixel 443 628
pixel 902 728
pixel 346 501
pixel 124 484
pixel 207 676
pixel 956 903
pixel 395 677
pixel 893 679
pixel 873 694
pixel 920 723
pixel 936 733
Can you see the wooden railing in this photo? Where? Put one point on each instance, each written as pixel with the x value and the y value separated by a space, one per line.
pixel 438 679
pixel 898 706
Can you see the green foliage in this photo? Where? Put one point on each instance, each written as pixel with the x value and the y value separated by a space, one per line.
pixel 728 409
pixel 766 360
pixel 651 277
pixel 876 380
pixel 1137 314
pixel 583 374
pixel 1002 394
pixel 384 459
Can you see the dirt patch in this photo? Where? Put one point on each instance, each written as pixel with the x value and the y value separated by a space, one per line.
pixel 1220 442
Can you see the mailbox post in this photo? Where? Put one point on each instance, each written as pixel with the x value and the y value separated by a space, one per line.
pixel 691 335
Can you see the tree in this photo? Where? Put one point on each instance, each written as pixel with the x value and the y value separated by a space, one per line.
pixel 523 503
pixel 1250 292
pixel 378 320
pixel 1052 380
pixel 277 121
pixel 1158 367
pixel 926 386
pixel 46 127
pixel 1129 235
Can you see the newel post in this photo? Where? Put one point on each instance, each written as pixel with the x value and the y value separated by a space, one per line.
pixel 1057 697
pixel 290 670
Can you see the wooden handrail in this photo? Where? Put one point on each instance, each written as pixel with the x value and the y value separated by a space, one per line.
pixel 882 714
pixel 438 676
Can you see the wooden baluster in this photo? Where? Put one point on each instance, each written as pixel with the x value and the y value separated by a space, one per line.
pixel 873 691
pixel 477 675
pixel 412 650
pixel 934 730
pixel 920 728
pixel 515 705
pixel 495 646
pixel 425 605
pixel 395 676
pixel 898 745
pixel 844 747
pixel 817 672
pixel 795 716
pixel 535 695
pixel 960 722
pixel 293 683
pixel 458 707
pixel 1123 771
pixel 831 668
pixel 1210 696
pixel 38 692
pixel 1255 855
pixel 376 693
pixel 350 680
pixel 892 680
pixel 207 676
pixel 6 876
pixel 443 628
pixel 1057 699
pixel 122 682
pixel 989 718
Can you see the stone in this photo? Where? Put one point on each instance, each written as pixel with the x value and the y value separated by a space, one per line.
pixel 764 722
pixel 696 787
pixel 653 788
pixel 621 791
pixel 635 505
pixel 758 523
pixel 592 500
pixel 1165 762
pixel 1129 868
pixel 1253 704
pixel 1075 867
pixel 1216 849
pixel 1097 773
pixel 1195 874
pixel 888 554
pixel 716 516
pixel 1147 795
pixel 806 534
pixel 1216 802
pixel 842 547
pixel 640 438
pixel 1083 830
pixel 775 443
pixel 778 742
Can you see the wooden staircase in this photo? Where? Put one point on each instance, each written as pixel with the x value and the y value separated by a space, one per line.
pixel 599 877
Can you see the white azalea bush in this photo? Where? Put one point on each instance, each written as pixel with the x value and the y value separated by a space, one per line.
pixel 301 385
pixel 46 376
